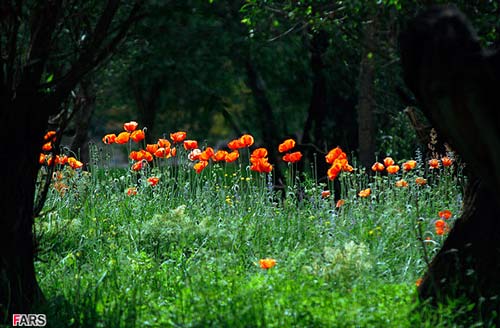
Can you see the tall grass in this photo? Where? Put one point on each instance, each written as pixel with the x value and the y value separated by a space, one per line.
pixel 185 252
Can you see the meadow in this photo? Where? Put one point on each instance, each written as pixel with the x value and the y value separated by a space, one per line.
pixel 170 242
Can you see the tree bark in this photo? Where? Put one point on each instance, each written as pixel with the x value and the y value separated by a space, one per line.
pixel 85 109
pixel 147 104
pixel 456 84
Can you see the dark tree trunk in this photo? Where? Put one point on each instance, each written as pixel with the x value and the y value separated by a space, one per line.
pixel 366 101
pixel 85 109
pixel 24 123
pixel 147 104
pixel 456 85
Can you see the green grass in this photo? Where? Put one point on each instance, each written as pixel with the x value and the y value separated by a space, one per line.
pixel 185 253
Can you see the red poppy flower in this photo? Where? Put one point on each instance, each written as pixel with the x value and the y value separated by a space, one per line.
pixel 446 214
pixel 235 144
pixel 325 193
pixel 392 169
pixel 132 191
pixel 163 143
pixel 247 140
pixel 334 171
pixel 190 144
pixel 122 138
pixel 441 227
pixel 198 167
pixel 74 163
pixel 434 163
pixel 47 146
pixel 286 145
pixel 207 154
pixel 420 181
pixel 136 155
pixel 109 138
pixel 178 136
pixel 232 156
pixel 42 158
pixel 340 203
pixel 334 154
pixel 267 263
pixel 388 161
pixel 137 136
pixel 194 154
pixel 220 155
pixel 293 157
pixel 153 181
pixel 365 193
pixel 378 167
pixel 152 148
pixel 137 166
pixel 50 135
pixel 173 152
pixel 261 165
pixel 259 153
pixel 409 165
pixel 130 126
pixel 401 183
pixel 446 161
pixel 61 160
pixel 162 152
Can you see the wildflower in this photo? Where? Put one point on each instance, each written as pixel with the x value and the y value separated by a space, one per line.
pixel 388 161
pixel 446 161
pixel 247 140
pixel 220 155
pixel 173 152
pixel 392 169
pixel 267 263
pixel 418 282
pixel 261 165
pixel 286 145
pixel 162 152
pixel 152 148
pixel 109 138
pixel 434 163
pixel 178 136
pixel 232 156
pixel 190 144
pixel 50 135
pixel 163 143
pixel 441 227
pixel 61 160
pixel 122 138
pixel 409 165
pixel 334 154
pixel 47 146
pixel 293 157
pixel 235 144
pixel 198 167
pixel 153 181
pixel 334 171
pixel 42 158
pixel 325 193
pixel 365 193
pixel 207 154
pixel 378 167
pixel 420 181
pixel 137 136
pixel 259 153
pixel 136 155
pixel 347 168
pixel 138 166
pixel 194 154
pixel 446 214
pixel 130 126
pixel 401 183
pixel 340 203
pixel 132 191
pixel 147 155
pixel 74 163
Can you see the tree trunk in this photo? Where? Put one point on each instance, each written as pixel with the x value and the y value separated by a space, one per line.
pixel 366 101
pixel 147 104
pixel 85 109
pixel 456 85
pixel 24 124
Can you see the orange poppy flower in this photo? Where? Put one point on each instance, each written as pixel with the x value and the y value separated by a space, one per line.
pixel 401 183
pixel 130 126
pixel 132 191
pixel 293 157
pixel 418 282
pixel 153 181
pixel 136 155
pixel 232 156
pixel 207 154
pixel 42 158
pixel 340 203
pixel 441 227
pixel 109 138
pixel 365 193
pixel 325 193
pixel 388 161
pixel 220 155
pixel 194 154
pixel 50 135
pixel 162 152
pixel 190 144
pixel 446 161
pixel 137 136
pixel 74 163
pixel 378 167
pixel 420 181
pixel 152 148
pixel 147 155
pixel 247 140
pixel 198 167
pixel 286 145
pixel 267 263
pixel 235 144
pixel 392 169
pixel 122 138
pixel 259 153
pixel 434 163
pixel 47 146
pixel 334 154
pixel 446 214
pixel 178 136
pixel 137 166
pixel 347 168
pixel 173 152
pixel 163 143
pixel 409 165
pixel 261 165
pixel 50 161
pixel 61 160
pixel 334 171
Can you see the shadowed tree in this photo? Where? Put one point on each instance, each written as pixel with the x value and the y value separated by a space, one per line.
pixel 46 48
